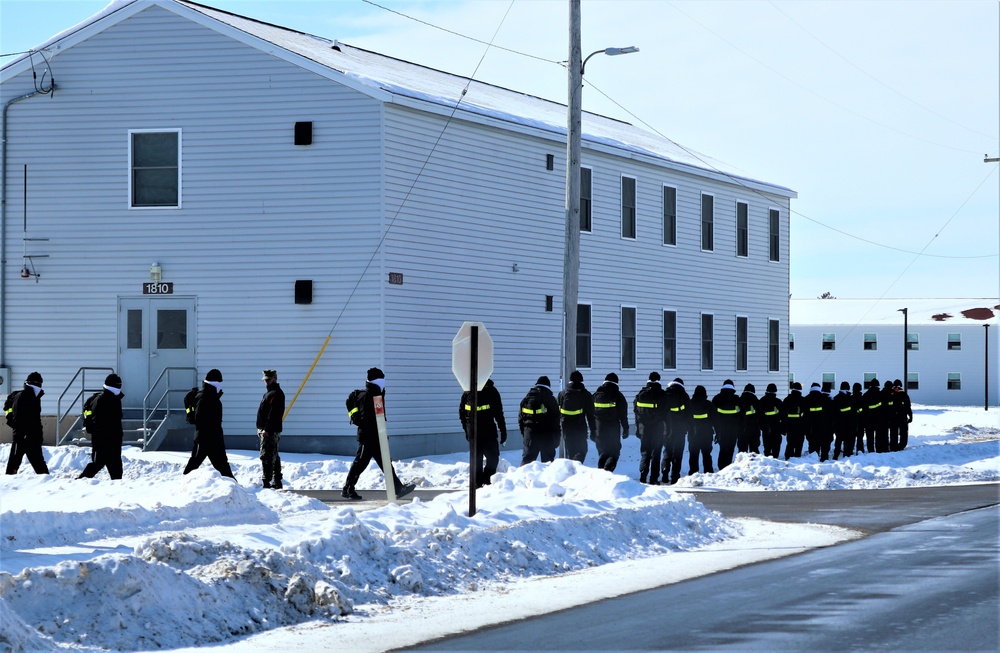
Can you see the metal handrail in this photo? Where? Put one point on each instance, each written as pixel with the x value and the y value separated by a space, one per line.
pixel 148 411
pixel 60 415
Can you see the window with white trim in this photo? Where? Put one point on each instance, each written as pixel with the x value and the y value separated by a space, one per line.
pixel 583 335
pixel 774 236
pixel 628 329
pixel 707 341
pixel 773 353
pixel 742 229
pixel 155 168
pixel 669 215
pixel 707 223
pixel 628 207
pixel 586 199
pixel 871 342
pixel 954 381
pixel 829 341
pixel 954 342
pixel 669 340
pixel 742 334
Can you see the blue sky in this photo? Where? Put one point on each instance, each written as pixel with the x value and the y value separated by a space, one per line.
pixel 877 113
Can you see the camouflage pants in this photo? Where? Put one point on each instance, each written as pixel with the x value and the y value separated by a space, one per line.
pixel 270 461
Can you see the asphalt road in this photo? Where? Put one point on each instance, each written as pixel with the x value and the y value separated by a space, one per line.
pixel 927 579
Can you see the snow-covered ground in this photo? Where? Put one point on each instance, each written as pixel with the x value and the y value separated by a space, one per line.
pixel 159 560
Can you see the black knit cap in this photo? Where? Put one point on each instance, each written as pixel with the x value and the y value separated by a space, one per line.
pixel 796 386
pixel 214 375
pixel 113 380
pixel 749 388
pixel 34 379
pixel 771 387
pixel 844 385
pixel 654 376
pixel 543 380
pixel 375 373
pixel 873 383
pixel 897 384
pixel 575 376
pixel 611 377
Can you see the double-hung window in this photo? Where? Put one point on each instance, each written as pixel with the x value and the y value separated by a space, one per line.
pixel 628 207
pixel 669 215
pixel 742 229
pixel 155 168
pixel 707 223
pixel 586 200
pixel 583 335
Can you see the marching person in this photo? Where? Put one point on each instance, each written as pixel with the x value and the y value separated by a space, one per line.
pixel 611 418
pixel 25 419
pixel 269 415
pixel 538 421
pixel 649 428
pixel 490 423
pixel 844 428
pixel 676 411
pixel 899 420
pixel 208 437
pixel 817 416
pixel 728 420
pixel 576 416
pixel 361 410
pixel 770 413
pixel 795 428
pixel 106 440
pixel 873 416
pixel 701 431
pixel 749 440
pixel 857 399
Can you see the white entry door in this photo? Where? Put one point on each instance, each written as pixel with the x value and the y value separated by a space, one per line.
pixel 154 333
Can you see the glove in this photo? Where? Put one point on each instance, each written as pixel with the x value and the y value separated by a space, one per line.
pixel 715 440
pixel 909 419
pixel 503 437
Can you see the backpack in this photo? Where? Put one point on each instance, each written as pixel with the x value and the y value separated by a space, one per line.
pixel 89 418
pixel 8 407
pixel 534 414
pixel 605 404
pixel 191 400
pixel 572 404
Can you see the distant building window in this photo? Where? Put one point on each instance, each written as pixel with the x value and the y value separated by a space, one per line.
pixel 829 381
pixel 869 376
pixel 669 340
pixel 774 236
pixel 791 341
pixel 773 358
pixel 954 381
pixel 707 342
pixel 829 341
pixel 913 341
pixel 628 207
pixel 791 380
pixel 669 215
pixel 871 341
pixel 155 177
pixel 912 381
pixel 586 199
pixel 954 342
pixel 707 223
pixel 741 343
pixel 583 335
pixel 628 337
pixel 742 229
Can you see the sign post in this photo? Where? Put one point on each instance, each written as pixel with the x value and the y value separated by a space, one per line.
pixel 383 442
pixel 472 360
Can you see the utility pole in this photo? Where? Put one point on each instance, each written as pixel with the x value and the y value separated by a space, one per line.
pixel 571 261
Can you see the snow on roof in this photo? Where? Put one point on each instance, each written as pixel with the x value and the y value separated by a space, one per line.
pixel 809 312
pixel 382 74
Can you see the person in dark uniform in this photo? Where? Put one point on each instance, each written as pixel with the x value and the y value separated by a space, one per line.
pixel 817 416
pixel 842 412
pixel 749 439
pixel 269 417
pixel 611 418
pixel 902 415
pixel 678 415
pixel 650 428
pixel 490 425
pixel 701 431
pixel 858 400
pixel 106 441
pixel 793 417
pixel 538 421
pixel 361 410
pixel 769 415
pixel 27 427
pixel 208 437
pixel 576 417
pixel 728 421
pixel 873 415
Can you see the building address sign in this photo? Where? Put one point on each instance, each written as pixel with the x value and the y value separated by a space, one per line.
pixel 158 288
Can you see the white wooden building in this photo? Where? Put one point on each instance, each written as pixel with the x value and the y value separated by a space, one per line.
pixel 290 193
pixel 951 354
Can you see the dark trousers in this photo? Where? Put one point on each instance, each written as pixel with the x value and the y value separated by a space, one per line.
pixel 366 452
pixel 488 454
pixel 673 453
pixel 793 443
pixel 771 435
pixel 727 445
pixel 881 433
pixel 904 435
pixel 270 459
pixel 104 455
pixel 216 454
pixel 609 450
pixel 844 442
pixel 898 435
pixel 30 448
pixel 575 441
pixel 749 440
pixel 700 447
pixel 650 449
pixel 538 446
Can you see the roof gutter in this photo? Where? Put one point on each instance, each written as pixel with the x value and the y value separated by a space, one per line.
pixel 3 224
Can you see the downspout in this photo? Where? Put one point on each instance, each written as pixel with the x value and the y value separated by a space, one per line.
pixel 3 226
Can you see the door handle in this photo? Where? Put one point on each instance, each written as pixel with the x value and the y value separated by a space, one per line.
pixel 153 354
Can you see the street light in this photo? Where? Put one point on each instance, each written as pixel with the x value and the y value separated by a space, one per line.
pixel 571 260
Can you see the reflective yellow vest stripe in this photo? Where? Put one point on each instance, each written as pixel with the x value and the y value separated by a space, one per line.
pixel 678 409
pixel 845 410
pixel 640 404
pixel 701 416
pixel 571 412
pixel 529 411
pixel 794 414
pixel 771 412
pixel 350 413
pixel 752 411
pixel 728 411
pixel 878 405
pixel 597 405
pixel 815 409
pixel 483 407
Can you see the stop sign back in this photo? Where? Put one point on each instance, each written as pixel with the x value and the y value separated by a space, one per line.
pixel 461 356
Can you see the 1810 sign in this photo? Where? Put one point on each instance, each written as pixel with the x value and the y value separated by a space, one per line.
pixel 158 288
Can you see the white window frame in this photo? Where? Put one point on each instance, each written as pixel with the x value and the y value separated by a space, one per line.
pixel 710 340
pixel 663 201
pixel 745 345
pixel 955 377
pixel 635 336
pixel 634 207
pixel 745 229
pixel 773 345
pixel 590 201
pixel 873 342
pixel 663 329
pixel 832 340
pixel 711 222
pixel 180 175
pixel 958 342
pixel 774 235
pixel 590 336
pixel 912 341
